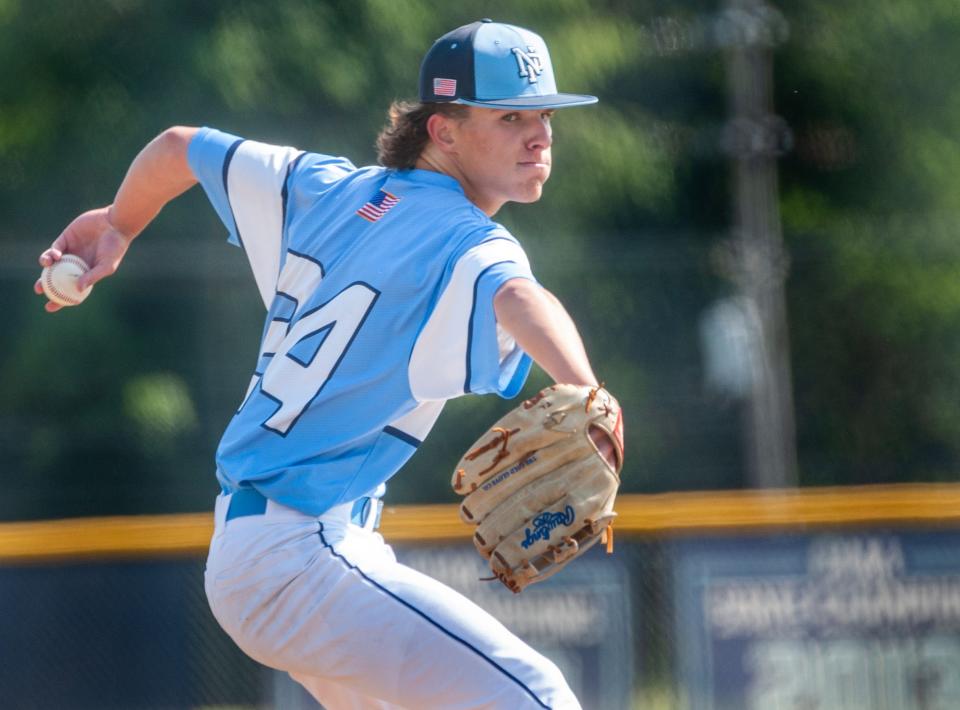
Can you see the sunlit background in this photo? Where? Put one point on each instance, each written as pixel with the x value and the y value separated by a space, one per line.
pixel 756 230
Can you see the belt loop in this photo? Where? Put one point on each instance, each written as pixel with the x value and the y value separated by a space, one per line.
pixel 366 512
pixel 373 521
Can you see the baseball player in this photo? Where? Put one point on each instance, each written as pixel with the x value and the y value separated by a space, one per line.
pixel 388 290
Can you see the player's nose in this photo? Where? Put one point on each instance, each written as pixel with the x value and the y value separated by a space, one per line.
pixel 541 134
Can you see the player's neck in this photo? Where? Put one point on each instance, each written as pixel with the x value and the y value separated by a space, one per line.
pixel 441 163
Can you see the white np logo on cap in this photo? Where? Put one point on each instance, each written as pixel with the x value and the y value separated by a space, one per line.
pixel 528 62
pixel 493 65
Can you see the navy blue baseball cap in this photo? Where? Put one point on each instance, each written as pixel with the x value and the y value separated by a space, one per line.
pixel 490 64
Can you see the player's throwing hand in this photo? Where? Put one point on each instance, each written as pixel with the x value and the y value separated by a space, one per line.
pixel 93 238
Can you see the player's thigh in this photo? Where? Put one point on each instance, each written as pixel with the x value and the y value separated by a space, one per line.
pixel 336 605
pixel 429 646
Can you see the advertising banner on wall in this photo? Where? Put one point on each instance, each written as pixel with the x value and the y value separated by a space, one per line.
pixel 846 621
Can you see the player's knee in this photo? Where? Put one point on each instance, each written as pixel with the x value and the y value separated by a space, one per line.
pixel 551 686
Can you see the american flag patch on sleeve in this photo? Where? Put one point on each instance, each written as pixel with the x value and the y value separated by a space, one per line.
pixel 445 87
pixel 378 206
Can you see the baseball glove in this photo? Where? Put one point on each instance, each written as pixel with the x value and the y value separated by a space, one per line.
pixel 537 487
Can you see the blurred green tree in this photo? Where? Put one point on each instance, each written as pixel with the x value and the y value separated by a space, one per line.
pixel 624 234
pixel 869 207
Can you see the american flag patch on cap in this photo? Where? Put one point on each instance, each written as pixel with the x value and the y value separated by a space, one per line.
pixel 378 206
pixel 445 87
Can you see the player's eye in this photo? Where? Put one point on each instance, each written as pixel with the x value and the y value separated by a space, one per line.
pixel 547 115
pixel 511 117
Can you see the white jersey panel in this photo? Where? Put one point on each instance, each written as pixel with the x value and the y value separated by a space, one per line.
pixel 254 181
pixel 439 362
pixel 418 423
pixel 506 343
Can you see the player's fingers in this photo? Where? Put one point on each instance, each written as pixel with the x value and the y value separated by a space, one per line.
pixel 62 243
pixel 50 255
pixel 605 446
pixel 50 306
pixel 98 272
pixel 63 240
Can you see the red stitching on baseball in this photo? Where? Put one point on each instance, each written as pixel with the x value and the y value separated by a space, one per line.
pixel 48 280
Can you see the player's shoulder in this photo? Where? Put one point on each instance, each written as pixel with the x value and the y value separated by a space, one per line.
pixel 326 167
pixel 438 197
pixel 483 229
pixel 437 203
pixel 486 244
pixel 317 175
pixel 229 149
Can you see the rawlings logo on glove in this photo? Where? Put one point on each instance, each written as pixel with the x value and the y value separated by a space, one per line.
pixel 544 523
pixel 538 488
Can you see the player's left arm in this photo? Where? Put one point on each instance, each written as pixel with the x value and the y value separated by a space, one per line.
pixel 542 327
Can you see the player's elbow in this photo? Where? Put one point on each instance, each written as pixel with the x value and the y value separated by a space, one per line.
pixel 168 156
pixel 176 139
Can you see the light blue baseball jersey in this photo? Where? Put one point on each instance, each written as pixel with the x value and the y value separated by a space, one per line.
pixel 379 290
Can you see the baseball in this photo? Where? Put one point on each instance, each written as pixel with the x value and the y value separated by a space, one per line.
pixel 59 280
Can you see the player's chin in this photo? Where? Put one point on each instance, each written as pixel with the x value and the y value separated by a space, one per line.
pixel 530 191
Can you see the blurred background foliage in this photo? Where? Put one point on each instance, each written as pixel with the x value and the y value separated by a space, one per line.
pixel 116 407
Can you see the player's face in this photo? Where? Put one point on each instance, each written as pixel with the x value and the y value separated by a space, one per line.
pixel 503 156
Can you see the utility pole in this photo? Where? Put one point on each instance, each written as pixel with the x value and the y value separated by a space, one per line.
pixel 755 258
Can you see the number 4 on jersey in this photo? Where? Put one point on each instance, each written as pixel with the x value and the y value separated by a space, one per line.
pixel 307 349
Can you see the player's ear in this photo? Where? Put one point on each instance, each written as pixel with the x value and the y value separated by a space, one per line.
pixel 442 132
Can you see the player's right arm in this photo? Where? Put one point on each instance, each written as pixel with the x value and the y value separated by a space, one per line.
pixel 158 174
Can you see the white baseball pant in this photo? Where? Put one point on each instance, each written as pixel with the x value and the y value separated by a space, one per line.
pixel 325 600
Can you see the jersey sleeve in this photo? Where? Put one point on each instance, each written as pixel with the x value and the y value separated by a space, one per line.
pixel 249 184
pixel 462 349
